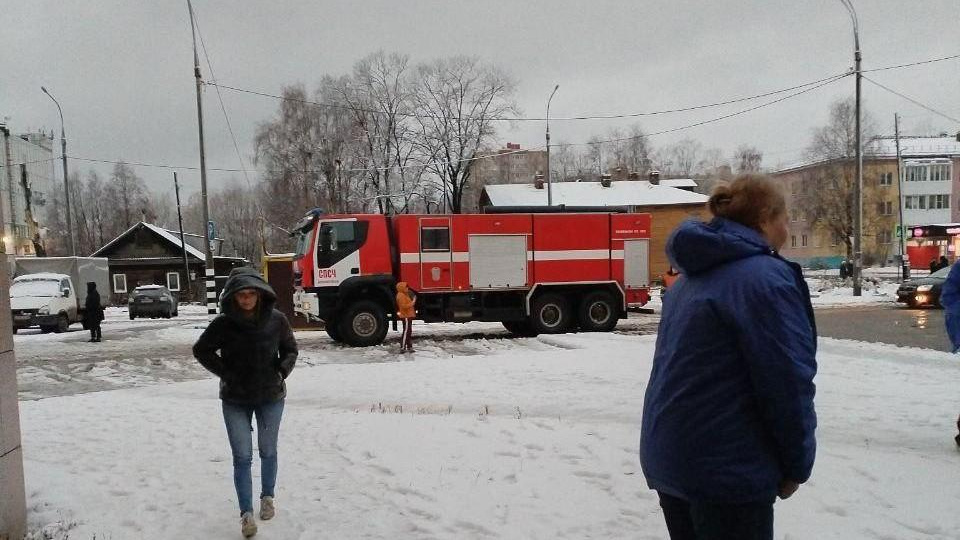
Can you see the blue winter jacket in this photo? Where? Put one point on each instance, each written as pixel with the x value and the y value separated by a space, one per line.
pixel 950 300
pixel 728 411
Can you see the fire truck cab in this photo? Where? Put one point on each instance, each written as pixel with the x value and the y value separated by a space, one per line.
pixel 533 272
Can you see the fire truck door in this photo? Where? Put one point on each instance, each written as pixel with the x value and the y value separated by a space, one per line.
pixel 636 263
pixel 436 255
pixel 338 251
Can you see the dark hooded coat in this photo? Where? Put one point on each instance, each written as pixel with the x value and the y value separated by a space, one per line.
pixel 92 308
pixel 729 412
pixel 252 356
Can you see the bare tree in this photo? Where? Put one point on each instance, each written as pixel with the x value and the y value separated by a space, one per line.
pixel 457 101
pixel 684 156
pixel 826 196
pixel 130 194
pixel 747 159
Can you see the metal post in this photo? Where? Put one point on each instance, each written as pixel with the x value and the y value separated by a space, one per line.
pixel 549 181
pixel 858 191
pixel 904 273
pixel 66 185
pixel 208 264
pixel 183 243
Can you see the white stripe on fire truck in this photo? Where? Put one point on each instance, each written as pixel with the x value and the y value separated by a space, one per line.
pixel 464 256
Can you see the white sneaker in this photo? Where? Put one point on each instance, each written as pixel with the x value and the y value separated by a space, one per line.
pixel 248 526
pixel 267 510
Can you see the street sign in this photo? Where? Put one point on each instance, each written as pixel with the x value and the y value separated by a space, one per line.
pixel 898 231
pixel 211 230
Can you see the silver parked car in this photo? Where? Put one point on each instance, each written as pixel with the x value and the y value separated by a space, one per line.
pixel 152 301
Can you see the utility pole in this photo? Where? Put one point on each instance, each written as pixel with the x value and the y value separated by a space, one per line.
pixel 858 187
pixel 183 243
pixel 208 266
pixel 904 262
pixel 549 181
pixel 66 186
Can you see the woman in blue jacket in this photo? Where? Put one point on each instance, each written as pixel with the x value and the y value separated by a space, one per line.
pixel 728 419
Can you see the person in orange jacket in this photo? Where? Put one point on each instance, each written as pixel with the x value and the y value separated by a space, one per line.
pixel 406 311
pixel 670 277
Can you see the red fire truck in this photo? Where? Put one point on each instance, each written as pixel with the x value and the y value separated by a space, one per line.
pixel 534 272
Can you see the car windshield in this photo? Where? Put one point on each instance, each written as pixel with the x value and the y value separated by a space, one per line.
pixel 941 273
pixel 35 287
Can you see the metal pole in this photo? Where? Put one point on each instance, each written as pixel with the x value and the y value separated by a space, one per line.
pixel 549 181
pixel 208 261
pixel 903 232
pixel 66 185
pixel 858 188
pixel 183 243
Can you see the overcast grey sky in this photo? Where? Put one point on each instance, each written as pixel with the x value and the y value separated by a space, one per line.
pixel 122 70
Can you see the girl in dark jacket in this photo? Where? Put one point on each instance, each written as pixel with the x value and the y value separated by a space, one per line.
pixel 728 418
pixel 93 313
pixel 257 352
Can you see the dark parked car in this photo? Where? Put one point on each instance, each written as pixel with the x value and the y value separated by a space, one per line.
pixel 152 301
pixel 923 291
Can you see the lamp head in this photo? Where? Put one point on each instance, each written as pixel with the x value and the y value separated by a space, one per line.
pixel 44 88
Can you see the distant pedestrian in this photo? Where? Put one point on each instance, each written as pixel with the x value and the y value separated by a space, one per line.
pixel 728 418
pixel 257 352
pixel 944 263
pixel 844 269
pixel 670 277
pixel 406 311
pixel 934 265
pixel 93 313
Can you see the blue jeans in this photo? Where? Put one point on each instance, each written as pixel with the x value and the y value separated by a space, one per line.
pixel 238 419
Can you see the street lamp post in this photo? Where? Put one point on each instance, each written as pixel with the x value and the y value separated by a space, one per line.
pixel 66 185
pixel 858 187
pixel 549 181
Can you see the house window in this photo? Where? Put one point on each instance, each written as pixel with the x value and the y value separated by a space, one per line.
pixel 173 281
pixel 119 283
pixel 884 237
pixel 834 240
pixel 793 241
pixel 885 208
pixel 886 179
pixel 435 239
pixel 939 202
pixel 915 202
pixel 803 241
pixel 817 240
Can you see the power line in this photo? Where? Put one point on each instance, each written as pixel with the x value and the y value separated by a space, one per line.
pixel 29 162
pixel 712 120
pixel 911 100
pixel 911 64
pixel 538 119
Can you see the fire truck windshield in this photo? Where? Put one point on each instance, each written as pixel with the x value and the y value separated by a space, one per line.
pixel 303 243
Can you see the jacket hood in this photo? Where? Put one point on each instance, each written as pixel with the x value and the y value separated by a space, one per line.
pixel 91 286
pixel 247 278
pixel 696 246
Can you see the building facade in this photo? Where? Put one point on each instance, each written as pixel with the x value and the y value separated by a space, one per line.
pixel 27 166
pixel 820 201
pixel 508 165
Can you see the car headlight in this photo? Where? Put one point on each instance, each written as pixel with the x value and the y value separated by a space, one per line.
pixel 924 288
pixel 45 310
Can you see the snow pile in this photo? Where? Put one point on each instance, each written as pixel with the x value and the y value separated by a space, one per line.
pixel 525 438
pixel 832 291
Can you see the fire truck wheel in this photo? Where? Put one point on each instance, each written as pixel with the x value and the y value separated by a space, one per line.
pixel 598 312
pixel 333 329
pixel 519 328
pixel 363 324
pixel 550 314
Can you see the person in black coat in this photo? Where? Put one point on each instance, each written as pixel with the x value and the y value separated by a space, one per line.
pixel 93 313
pixel 944 263
pixel 251 347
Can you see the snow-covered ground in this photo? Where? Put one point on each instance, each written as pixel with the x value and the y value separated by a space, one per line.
pixel 473 436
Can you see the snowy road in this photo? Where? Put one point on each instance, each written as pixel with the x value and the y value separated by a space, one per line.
pixel 479 438
pixel 889 323
pixel 150 351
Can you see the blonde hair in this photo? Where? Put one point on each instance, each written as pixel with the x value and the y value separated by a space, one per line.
pixel 750 200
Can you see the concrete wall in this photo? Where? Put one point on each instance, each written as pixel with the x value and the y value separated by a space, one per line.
pixel 12 499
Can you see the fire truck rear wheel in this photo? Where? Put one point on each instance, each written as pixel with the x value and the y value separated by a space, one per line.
pixel 550 314
pixel 598 312
pixel 363 324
